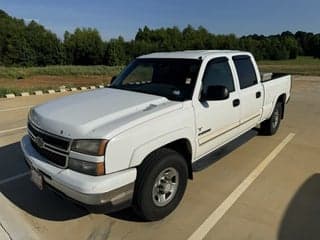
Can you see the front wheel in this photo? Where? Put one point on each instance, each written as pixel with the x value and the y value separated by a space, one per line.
pixel 270 126
pixel 160 185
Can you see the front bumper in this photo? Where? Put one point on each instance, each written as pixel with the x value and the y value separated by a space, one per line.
pixel 111 189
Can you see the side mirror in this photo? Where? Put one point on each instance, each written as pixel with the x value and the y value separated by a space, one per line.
pixel 215 93
pixel 112 79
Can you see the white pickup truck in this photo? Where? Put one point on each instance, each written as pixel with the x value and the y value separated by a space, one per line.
pixel 136 141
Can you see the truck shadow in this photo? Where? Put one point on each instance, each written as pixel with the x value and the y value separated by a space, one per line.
pixel 45 204
pixel 126 214
pixel 224 151
pixel 302 217
pixel 25 195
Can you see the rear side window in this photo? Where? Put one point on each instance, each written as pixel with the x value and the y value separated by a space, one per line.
pixel 218 72
pixel 246 73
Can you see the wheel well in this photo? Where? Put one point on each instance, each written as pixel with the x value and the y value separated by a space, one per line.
pixel 183 147
pixel 282 99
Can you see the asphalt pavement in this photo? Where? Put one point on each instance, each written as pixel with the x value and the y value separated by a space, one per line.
pixel 257 187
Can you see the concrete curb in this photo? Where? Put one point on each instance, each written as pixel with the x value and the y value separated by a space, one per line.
pixel 25 94
pixel 12 224
pixel 38 92
pixel 51 91
pixel 11 95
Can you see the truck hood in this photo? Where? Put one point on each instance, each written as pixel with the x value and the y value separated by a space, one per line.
pixel 87 114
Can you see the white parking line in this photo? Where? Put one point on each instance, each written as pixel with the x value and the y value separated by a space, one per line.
pixel 10 179
pixel 16 108
pixel 216 215
pixel 13 129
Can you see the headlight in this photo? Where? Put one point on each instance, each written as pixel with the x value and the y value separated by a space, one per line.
pixel 90 168
pixel 94 147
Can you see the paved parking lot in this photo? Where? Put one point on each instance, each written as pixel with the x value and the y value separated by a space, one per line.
pixel 279 199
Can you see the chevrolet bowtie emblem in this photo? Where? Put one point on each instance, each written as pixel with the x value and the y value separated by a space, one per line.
pixel 39 142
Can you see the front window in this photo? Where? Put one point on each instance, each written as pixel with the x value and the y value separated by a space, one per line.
pixel 171 78
pixel 218 73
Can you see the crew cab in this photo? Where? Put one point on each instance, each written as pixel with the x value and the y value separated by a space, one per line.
pixel 136 141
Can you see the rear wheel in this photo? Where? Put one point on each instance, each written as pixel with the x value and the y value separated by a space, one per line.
pixel 160 185
pixel 271 125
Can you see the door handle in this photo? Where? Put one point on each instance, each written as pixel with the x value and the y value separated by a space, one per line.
pixel 258 94
pixel 236 102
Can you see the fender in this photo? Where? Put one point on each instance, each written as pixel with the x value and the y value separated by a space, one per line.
pixel 140 153
pixel 274 102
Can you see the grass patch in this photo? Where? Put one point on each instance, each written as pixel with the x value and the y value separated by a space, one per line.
pixel 19 79
pixel 21 72
pixel 45 83
pixel 300 66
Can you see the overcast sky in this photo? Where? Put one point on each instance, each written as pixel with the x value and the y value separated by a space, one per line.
pixel 118 17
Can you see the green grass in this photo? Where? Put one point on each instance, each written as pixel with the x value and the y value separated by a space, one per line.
pixel 300 66
pixel 23 72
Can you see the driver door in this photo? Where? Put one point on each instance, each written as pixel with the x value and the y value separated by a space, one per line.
pixel 217 120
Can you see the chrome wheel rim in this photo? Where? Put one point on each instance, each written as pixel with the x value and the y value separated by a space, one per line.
pixel 276 118
pixel 165 187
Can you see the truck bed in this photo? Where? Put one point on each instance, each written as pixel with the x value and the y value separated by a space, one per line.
pixel 278 85
pixel 265 77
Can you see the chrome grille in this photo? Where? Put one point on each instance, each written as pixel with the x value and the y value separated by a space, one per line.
pixel 52 147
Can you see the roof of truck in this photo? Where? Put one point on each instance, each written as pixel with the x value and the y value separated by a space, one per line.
pixel 194 54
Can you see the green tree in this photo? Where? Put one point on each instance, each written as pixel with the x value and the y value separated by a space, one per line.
pixel 27 44
pixel 315 43
pixel 115 54
pixel 83 47
pixel 45 44
pixel 291 45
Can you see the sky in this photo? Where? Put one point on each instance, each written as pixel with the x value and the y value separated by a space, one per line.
pixel 118 17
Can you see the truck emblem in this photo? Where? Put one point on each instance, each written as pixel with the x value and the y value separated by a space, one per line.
pixel 39 141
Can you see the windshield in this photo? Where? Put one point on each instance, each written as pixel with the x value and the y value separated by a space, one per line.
pixel 171 78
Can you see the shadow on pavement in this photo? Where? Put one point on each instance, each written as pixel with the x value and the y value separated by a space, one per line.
pixel 302 217
pixel 127 214
pixel 224 151
pixel 11 161
pixel 26 196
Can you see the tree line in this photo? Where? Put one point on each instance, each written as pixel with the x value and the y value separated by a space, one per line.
pixel 30 44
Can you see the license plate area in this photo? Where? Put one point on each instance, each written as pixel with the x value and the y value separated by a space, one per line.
pixel 37 178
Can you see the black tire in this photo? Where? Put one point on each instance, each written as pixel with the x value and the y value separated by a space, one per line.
pixel 270 126
pixel 146 201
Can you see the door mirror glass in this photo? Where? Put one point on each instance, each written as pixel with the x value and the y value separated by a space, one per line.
pixel 215 93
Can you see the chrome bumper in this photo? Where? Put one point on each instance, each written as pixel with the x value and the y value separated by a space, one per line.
pixel 114 198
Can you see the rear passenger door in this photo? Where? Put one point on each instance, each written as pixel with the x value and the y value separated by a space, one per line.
pixel 251 98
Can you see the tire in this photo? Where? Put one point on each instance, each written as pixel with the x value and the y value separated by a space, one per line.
pixel 270 126
pixel 160 184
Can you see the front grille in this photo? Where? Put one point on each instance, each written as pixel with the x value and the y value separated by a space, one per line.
pixel 51 156
pixel 49 138
pixel 53 148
